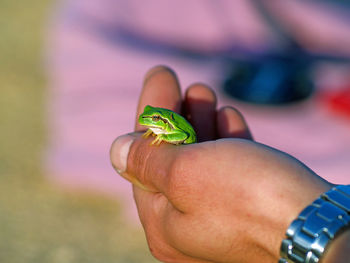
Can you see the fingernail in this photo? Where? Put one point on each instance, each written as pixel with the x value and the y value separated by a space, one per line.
pixel 119 152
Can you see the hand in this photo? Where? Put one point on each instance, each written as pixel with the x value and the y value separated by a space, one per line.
pixel 224 199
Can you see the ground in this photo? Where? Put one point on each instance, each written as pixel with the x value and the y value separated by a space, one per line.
pixel 39 221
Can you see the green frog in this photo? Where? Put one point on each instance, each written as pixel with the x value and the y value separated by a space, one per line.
pixel 167 126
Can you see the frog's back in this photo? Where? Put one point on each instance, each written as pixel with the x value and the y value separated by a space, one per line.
pixel 192 138
pixel 179 122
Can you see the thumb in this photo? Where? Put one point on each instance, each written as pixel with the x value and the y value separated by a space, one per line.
pixel 145 166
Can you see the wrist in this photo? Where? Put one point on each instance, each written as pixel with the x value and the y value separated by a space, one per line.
pixel 339 250
pixel 293 200
pixel 317 226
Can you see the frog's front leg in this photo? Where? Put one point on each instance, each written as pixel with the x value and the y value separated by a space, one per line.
pixel 174 138
pixel 157 140
pixel 147 133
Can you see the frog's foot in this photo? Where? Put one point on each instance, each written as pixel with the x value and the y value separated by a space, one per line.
pixel 157 140
pixel 147 133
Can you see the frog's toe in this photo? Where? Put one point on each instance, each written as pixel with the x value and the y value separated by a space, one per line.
pixel 154 141
pixel 157 140
pixel 147 133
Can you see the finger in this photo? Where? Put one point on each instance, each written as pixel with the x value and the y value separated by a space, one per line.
pixel 231 124
pixel 153 210
pixel 144 166
pixel 160 89
pixel 159 169
pixel 151 165
pixel 119 156
pixel 200 105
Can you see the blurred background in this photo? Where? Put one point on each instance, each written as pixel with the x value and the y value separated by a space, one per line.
pixel 41 221
pixel 71 73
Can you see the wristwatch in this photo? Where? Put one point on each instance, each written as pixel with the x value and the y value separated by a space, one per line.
pixel 316 226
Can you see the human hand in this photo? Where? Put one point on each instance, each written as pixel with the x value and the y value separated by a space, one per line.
pixel 224 199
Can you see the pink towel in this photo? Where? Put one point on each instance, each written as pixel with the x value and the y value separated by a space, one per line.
pixel 96 78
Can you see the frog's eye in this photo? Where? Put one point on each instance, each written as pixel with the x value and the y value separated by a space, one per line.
pixel 155 118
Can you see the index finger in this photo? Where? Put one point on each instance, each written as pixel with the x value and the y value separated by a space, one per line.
pixel 147 167
pixel 151 165
pixel 160 89
pixel 164 169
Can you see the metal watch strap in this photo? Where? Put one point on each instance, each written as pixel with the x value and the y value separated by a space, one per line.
pixel 309 234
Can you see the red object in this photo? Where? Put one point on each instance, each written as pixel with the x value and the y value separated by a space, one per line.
pixel 339 101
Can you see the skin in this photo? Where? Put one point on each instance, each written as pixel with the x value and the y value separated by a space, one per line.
pixel 339 250
pixel 223 199
pixel 167 125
